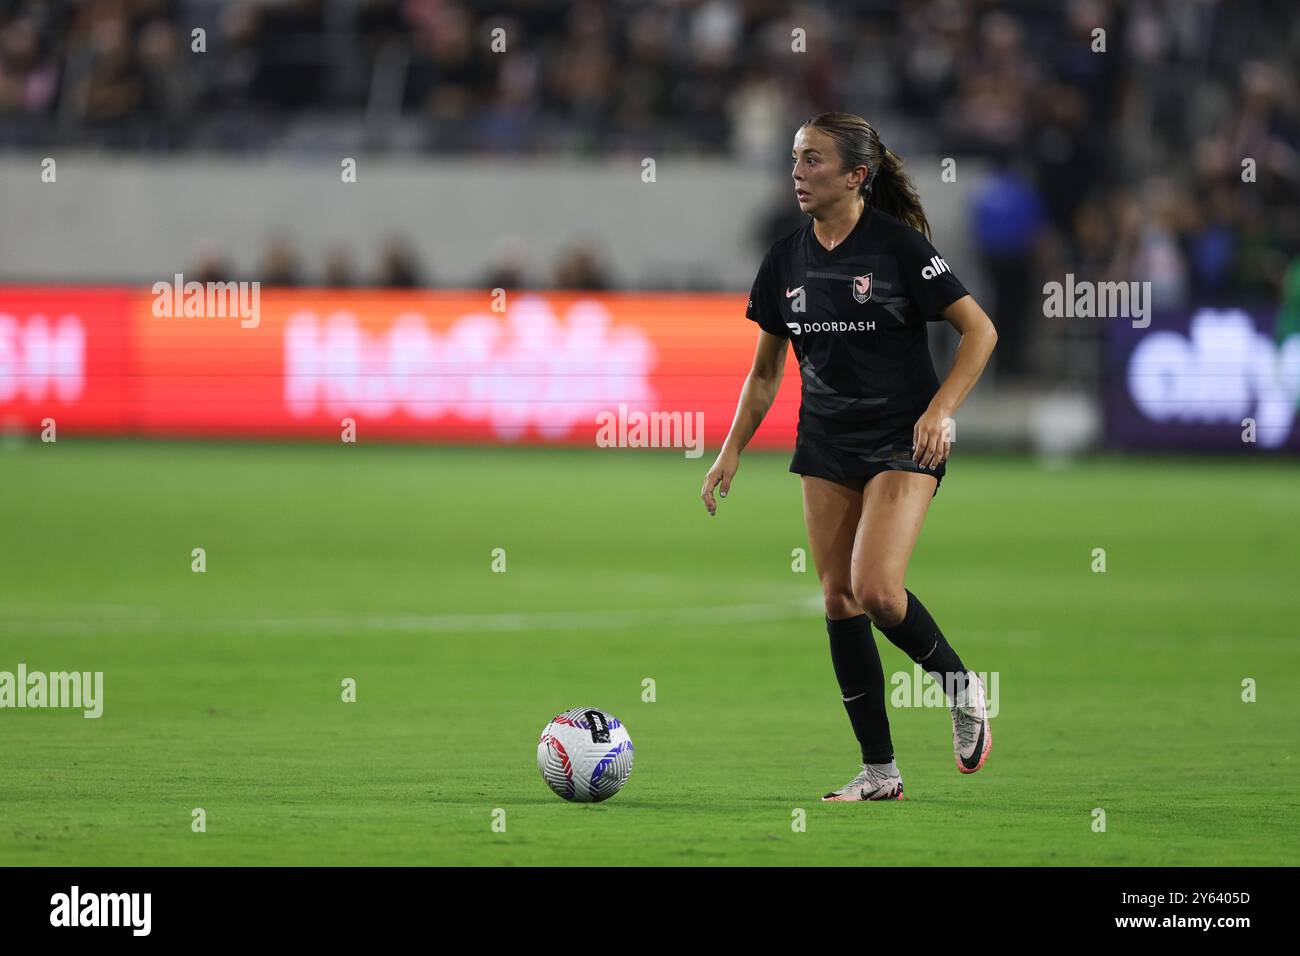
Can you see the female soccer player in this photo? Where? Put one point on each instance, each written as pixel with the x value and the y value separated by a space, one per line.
pixel 852 291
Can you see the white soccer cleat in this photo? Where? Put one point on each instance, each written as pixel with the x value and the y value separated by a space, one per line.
pixel 873 783
pixel 970 726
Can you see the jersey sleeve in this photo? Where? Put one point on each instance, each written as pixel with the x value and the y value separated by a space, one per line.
pixel 929 281
pixel 763 304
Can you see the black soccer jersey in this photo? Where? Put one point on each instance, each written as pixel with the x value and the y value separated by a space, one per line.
pixel 856 315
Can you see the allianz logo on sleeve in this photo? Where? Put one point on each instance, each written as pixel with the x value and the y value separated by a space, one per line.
pixel 936 267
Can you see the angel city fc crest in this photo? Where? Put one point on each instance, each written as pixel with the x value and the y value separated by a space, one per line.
pixel 862 287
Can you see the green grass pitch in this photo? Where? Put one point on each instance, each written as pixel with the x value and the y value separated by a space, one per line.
pixel 1119 690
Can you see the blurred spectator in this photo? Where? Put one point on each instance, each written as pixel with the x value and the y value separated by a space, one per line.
pixel 290 43
pixel 934 41
pixel 1092 254
pixel 992 103
pixel 1214 241
pixel 1158 257
pixel 280 263
pixel 1288 314
pixel 168 91
pixel 1258 127
pixel 397 266
pixel 1007 219
pixel 339 270
pixel 1067 163
pixel 449 72
pixel 209 264
pixel 760 131
pixel 580 269
pixel 113 90
pixel 509 268
pixel 28 75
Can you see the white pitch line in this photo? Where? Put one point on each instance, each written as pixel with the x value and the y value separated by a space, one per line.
pixel 434 623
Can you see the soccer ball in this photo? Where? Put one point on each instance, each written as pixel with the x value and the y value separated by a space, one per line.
pixel 585 755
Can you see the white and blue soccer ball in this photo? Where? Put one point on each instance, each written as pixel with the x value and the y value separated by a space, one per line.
pixel 585 755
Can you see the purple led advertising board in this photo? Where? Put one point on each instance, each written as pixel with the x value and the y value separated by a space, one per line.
pixel 1206 379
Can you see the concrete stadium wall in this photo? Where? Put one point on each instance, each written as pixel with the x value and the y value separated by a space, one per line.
pixel 136 219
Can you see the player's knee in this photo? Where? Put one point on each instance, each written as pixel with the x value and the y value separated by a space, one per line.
pixel 840 603
pixel 880 602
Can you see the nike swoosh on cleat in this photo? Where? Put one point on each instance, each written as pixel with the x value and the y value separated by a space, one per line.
pixel 971 762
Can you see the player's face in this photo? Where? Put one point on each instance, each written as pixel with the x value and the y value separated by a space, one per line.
pixel 819 181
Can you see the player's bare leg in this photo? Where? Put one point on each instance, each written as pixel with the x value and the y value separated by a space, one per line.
pixel 832 513
pixel 894 507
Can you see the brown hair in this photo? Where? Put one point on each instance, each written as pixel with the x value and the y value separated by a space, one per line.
pixel 887 187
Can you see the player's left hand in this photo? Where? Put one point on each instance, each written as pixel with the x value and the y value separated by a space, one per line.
pixel 932 438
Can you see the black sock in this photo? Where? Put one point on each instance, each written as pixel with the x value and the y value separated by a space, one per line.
pixel 862 685
pixel 919 638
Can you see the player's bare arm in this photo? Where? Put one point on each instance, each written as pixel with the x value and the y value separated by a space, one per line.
pixel 756 397
pixel 933 434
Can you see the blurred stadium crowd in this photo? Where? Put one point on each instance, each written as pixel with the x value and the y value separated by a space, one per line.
pixel 1122 164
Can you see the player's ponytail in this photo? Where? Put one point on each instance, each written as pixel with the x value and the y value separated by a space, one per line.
pixel 887 186
pixel 893 192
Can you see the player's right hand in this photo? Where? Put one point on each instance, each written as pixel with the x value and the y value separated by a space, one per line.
pixel 723 470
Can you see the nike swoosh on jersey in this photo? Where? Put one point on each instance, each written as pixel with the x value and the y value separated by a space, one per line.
pixel 791 293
